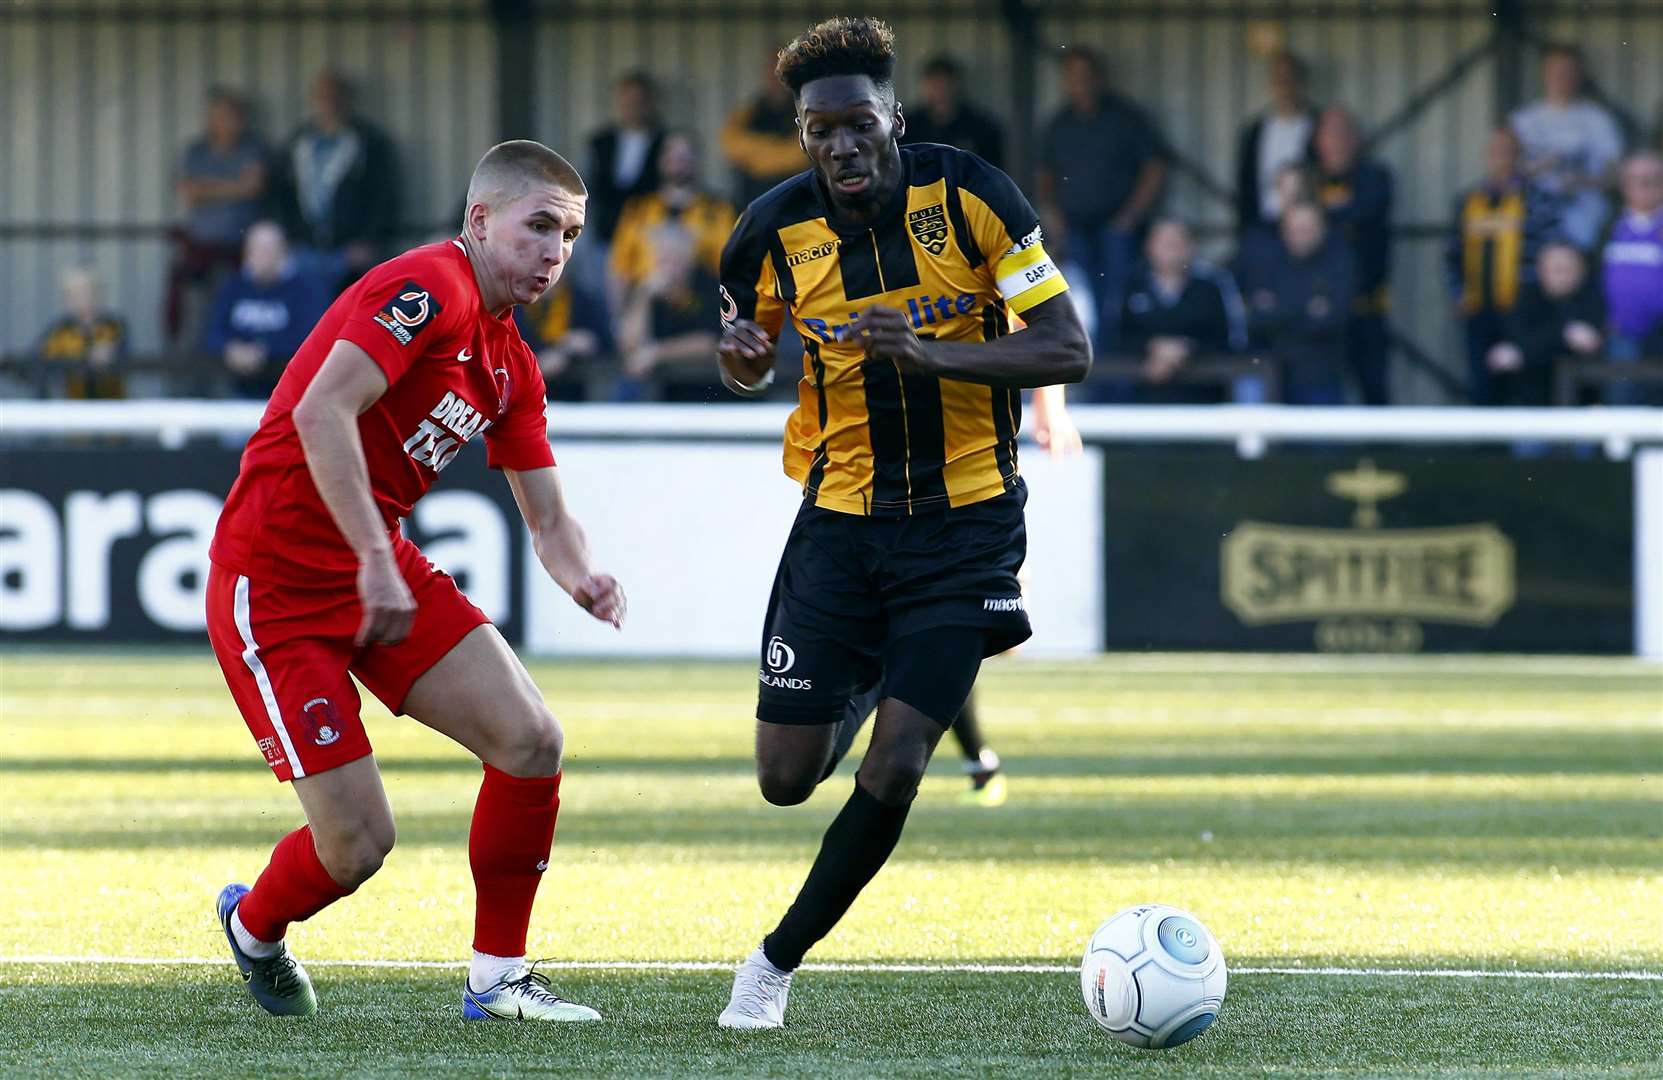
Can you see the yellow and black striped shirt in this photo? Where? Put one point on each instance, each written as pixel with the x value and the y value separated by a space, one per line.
pixel 1492 227
pixel 956 247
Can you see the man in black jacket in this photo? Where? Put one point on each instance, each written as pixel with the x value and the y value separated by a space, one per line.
pixel 1281 135
pixel 1357 193
pixel 623 156
pixel 1558 315
pixel 943 115
pixel 335 187
pixel 1177 310
pixel 1299 299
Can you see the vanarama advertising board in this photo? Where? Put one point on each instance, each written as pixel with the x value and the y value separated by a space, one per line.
pixel 1359 553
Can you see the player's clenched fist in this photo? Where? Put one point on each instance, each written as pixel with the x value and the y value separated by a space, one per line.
pixel 746 352
pixel 601 596
pixel 388 607
pixel 886 334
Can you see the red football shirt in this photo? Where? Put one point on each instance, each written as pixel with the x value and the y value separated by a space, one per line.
pixel 453 371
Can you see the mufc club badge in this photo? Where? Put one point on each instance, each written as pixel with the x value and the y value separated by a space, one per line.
pixel 929 228
pixel 410 309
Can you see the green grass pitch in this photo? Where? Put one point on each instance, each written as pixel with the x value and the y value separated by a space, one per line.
pixel 1503 815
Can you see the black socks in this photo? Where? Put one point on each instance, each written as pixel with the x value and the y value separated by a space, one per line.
pixel 856 845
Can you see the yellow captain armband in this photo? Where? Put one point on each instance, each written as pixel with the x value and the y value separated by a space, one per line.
pixel 1026 274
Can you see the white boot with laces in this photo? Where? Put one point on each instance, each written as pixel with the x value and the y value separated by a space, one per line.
pixel 759 992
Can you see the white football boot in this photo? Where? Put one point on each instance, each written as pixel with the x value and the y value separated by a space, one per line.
pixel 759 992
pixel 523 994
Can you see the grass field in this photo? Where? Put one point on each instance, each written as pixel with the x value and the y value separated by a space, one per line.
pixel 1500 815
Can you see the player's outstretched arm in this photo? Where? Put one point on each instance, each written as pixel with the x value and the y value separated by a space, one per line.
pixel 560 545
pixel 326 419
pixel 746 357
pixel 1053 349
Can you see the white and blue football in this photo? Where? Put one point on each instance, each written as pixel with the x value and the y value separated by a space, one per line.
pixel 1153 976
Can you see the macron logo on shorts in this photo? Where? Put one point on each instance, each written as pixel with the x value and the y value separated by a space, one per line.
pixel 1004 604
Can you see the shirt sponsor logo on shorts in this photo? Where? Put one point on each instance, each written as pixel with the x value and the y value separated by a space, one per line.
pixel 410 309
pixel 1004 603
pixel 268 747
pixel 321 721
pixel 780 657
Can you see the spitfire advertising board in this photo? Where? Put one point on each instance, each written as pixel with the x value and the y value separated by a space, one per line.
pixel 1356 553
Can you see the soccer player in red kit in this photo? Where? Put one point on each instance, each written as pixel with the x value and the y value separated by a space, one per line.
pixel 312 580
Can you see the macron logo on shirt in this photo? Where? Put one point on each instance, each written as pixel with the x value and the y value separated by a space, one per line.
pixel 441 435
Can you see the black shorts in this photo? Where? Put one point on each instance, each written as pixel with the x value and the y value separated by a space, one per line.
pixel 849 585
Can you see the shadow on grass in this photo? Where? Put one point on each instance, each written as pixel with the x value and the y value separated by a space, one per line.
pixel 1417 828
pixel 1532 752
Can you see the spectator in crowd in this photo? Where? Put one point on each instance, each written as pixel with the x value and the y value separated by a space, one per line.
pixel 668 331
pixel 1357 194
pixel 1102 167
pixel 1283 134
pixel 1299 302
pixel 1500 224
pixel 1571 145
pixel 564 332
pixel 84 347
pixel 1633 277
pixel 623 156
pixel 263 313
pixel 1295 182
pixel 679 199
pixel 759 138
pixel 1559 314
pixel 335 187
pixel 1177 309
pixel 221 182
pixel 947 117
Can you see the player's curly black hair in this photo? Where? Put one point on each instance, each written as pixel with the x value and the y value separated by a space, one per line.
pixel 840 46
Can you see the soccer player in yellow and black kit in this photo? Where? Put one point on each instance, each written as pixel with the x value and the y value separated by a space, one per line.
pixel 896 266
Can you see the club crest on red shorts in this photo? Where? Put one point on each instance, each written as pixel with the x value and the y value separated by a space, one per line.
pixel 321 721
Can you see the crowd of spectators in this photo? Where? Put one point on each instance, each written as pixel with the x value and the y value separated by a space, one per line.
pixel 1554 257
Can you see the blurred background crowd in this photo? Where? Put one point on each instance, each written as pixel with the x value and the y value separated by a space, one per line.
pixel 1551 252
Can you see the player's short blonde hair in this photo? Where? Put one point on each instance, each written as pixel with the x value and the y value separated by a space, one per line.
pixel 508 170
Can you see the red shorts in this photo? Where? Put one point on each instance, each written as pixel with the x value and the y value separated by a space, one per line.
pixel 286 653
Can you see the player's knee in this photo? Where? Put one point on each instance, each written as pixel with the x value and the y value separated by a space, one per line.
pixel 353 860
pixel 893 778
pixel 784 785
pixel 537 747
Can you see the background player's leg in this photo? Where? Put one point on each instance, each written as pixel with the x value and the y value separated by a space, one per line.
pixel 348 833
pixel 967 730
pixel 936 668
pixel 980 762
pixel 480 694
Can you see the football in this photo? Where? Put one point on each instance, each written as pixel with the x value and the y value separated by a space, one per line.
pixel 1153 976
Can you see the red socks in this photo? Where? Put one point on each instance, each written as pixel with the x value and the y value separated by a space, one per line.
pixel 293 887
pixel 508 848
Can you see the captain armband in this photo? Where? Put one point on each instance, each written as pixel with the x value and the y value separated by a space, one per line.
pixel 1026 274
